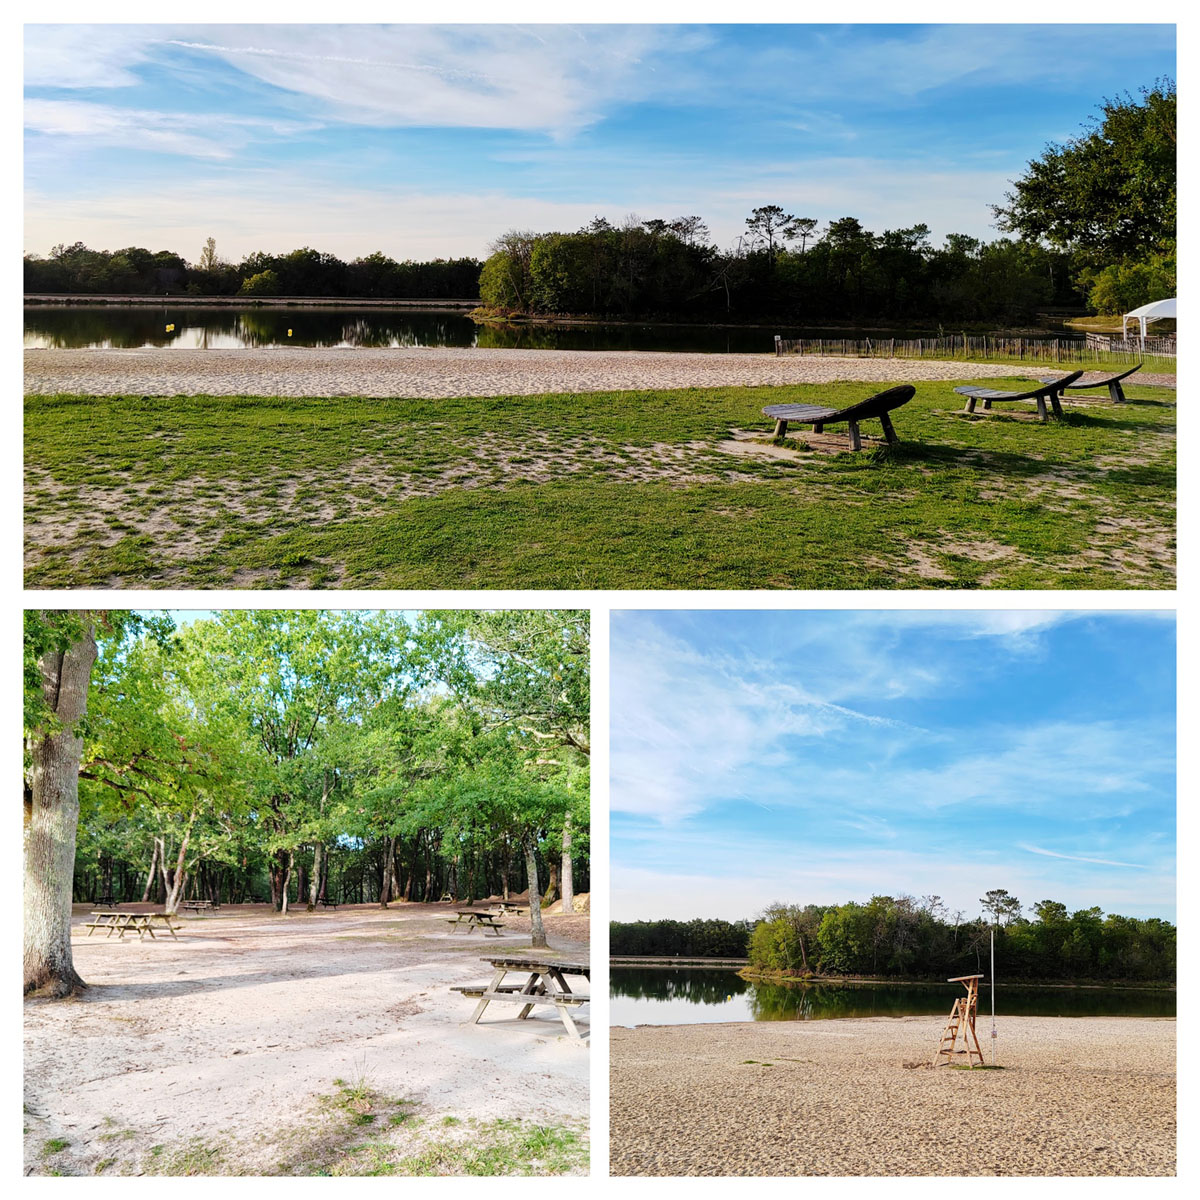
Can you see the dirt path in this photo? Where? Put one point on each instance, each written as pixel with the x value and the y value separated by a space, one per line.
pixel 225 1041
pixel 1077 1096
pixel 422 371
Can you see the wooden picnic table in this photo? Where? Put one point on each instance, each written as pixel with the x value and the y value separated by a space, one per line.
pixel 122 923
pixel 544 983
pixel 199 905
pixel 476 918
pixel 507 906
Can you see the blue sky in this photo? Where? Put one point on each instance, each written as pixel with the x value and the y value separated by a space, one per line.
pixel 433 140
pixel 830 756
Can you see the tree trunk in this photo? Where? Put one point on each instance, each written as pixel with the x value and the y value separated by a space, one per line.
pixel 568 877
pixel 389 867
pixel 287 880
pixel 150 873
pixel 552 890
pixel 535 899
pixel 315 883
pixel 180 876
pixel 53 819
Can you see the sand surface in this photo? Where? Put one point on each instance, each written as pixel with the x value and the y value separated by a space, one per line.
pixel 421 371
pixel 1077 1096
pixel 230 1034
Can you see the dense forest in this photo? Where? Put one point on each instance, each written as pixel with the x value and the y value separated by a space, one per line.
pixel 136 271
pixel 685 939
pixel 904 938
pixel 292 757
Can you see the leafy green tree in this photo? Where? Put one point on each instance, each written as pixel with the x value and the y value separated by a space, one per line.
pixel 262 283
pixel 1111 191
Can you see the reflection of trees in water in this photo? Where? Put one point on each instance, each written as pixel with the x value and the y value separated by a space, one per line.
pixel 132 328
pixel 770 1001
pixel 699 986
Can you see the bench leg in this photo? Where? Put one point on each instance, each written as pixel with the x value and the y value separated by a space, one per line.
pixel 987 404
pixel 1041 407
pixel 568 1021
pixel 1055 404
pixel 494 986
pixel 888 431
pixel 818 427
pixel 1116 392
pixel 781 427
pixel 970 405
pixel 855 440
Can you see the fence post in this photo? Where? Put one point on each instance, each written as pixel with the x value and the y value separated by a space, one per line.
pixel 778 345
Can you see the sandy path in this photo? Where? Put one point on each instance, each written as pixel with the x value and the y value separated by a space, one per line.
pixel 431 372
pixel 230 1034
pixel 1078 1096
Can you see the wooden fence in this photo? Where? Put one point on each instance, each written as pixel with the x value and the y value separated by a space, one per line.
pixel 1164 344
pixel 978 349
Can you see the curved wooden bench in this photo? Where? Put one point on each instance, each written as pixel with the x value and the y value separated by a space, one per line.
pixel 877 406
pixel 1113 383
pixel 1047 390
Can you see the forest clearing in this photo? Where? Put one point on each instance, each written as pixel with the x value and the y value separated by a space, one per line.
pixel 298 807
pixel 317 1043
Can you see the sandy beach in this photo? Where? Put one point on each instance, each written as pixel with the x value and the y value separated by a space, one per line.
pixel 1077 1096
pixel 232 1038
pixel 420 371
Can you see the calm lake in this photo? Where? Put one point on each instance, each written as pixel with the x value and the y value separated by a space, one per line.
pixel 688 996
pixel 110 326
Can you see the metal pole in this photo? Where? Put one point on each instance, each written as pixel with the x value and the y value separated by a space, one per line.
pixel 993 996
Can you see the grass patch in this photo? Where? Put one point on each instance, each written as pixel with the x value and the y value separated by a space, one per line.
pixel 609 490
pixel 55 1146
pixel 500 1147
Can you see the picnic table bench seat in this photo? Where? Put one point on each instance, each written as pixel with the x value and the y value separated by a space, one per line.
pixel 1047 391
pixel 873 407
pixel 1113 383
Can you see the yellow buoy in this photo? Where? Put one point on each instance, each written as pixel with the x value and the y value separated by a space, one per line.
pixel 289 333
pixel 170 328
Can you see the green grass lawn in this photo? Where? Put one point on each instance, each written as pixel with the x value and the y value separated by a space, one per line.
pixel 608 490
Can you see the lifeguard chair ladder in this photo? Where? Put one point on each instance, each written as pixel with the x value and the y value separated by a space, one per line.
pixel 962 1020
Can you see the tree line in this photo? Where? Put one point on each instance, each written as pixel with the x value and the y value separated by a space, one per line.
pixel 136 271
pixel 686 939
pixel 900 937
pixel 1094 221
pixel 294 757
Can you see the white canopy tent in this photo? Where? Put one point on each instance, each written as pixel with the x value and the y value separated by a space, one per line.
pixel 1150 312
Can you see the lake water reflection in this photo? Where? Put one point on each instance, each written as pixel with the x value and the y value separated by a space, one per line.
pixel 686 996
pixel 136 327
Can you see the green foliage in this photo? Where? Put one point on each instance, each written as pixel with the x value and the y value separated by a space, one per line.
pixel 1111 192
pixel 1123 286
pixel 263 283
pixel 902 938
pixel 254 744
pixel 686 939
pixel 304 272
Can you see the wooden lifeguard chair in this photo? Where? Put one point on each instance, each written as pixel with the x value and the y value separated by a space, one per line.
pixel 962 1020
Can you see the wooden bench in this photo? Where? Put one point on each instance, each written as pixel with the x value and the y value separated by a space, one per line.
pixel 326 903
pixel 1113 383
pixel 873 407
pixel 1047 391
pixel 199 905
pixel 122 923
pixel 544 984
pixel 477 919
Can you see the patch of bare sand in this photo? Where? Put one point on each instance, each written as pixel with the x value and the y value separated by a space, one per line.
pixel 1077 1096
pixel 424 371
pixel 229 1035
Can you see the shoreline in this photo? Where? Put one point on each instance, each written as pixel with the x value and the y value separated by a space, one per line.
pixel 443 372
pixel 857 1096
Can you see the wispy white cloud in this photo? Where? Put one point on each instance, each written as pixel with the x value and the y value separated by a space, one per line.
pixel 1083 858
pixel 197 135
